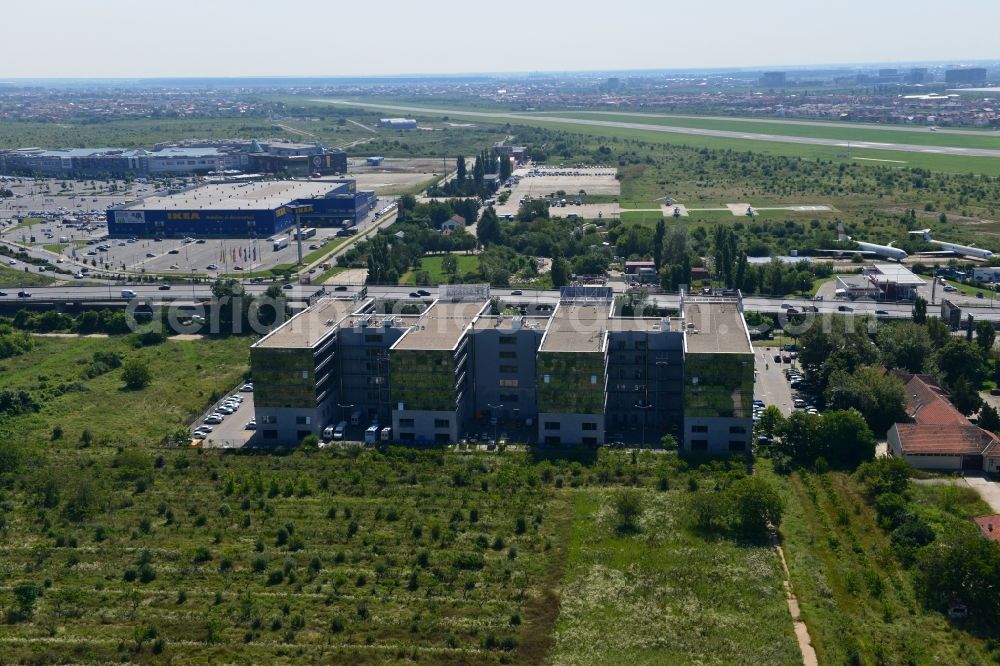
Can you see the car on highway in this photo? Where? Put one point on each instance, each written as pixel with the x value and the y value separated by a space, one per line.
pixel 882 313
pixel 845 308
pixel 340 288
pixel 3 293
pixel 149 255
pixel 174 251
pixel 212 267
pixel 312 271
pixel 423 292
pixel 288 286
pixel 24 294
pixel 164 287
pixel 414 294
pixel 516 292
pixel 12 262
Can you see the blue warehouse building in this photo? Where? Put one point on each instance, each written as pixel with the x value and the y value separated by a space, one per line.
pixel 241 209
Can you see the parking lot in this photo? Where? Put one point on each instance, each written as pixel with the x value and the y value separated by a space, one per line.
pixel 547 182
pixel 232 433
pixel 395 176
pixel 771 385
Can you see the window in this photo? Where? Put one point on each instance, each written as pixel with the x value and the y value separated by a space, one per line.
pixel 270 419
pixel 590 426
pixel 737 446
pixel 508 340
pixel 375 380
pixel 593 379
pixel 303 420
pixel 737 430
pixel 508 354
pixel 508 383
pixel 552 425
pixel 270 434
pixel 699 428
pixel 589 441
pixel 640 344
pixel 508 368
pixel 405 423
pixel 373 338
pixel 699 445
pixel 442 423
pixel 305 374
pixel 547 378
pixel 553 439
pixel 509 397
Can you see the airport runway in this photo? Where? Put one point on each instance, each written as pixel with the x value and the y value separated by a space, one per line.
pixel 726 134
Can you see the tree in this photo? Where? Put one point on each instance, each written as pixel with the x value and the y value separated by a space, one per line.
pixel 920 310
pixel 877 396
pixel 449 264
pixel 964 569
pixel 845 439
pixel 488 230
pixel 965 397
pixel 461 170
pixel 938 331
pixel 985 334
pixel 771 422
pixel 800 438
pixel 959 358
pixel 989 419
pixel 756 504
pixel 906 345
pixel 884 475
pixel 560 271
pixel 658 243
pixel 628 508
pixel 136 374
pixel 310 442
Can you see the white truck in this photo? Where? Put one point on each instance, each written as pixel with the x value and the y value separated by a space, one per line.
pixel 280 243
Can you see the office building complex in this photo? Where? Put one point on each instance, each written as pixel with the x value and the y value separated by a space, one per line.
pixel 241 209
pixel 969 76
pixel 189 158
pixel 570 372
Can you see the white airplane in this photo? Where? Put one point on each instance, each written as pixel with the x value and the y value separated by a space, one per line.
pixel 868 249
pixel 953 248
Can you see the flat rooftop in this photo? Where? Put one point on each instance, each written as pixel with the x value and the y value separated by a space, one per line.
pixel 312 324
pixel 441 326
pixel 236 196
pixel 720 328
pixel 894 274
pixel 577 327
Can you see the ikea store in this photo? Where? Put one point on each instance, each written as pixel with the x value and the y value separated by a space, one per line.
pixel 241 210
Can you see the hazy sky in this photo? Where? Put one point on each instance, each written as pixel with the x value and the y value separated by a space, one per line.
pixel 144 38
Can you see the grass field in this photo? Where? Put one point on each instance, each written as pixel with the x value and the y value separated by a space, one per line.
pixel 857 601
pixel 188 374
pixel 843 131
pixel 649 598
pixel 17 278
pixel 432 264
pixel 934 162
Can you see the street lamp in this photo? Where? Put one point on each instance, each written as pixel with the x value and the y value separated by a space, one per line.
pixel 343 407
pixel 494 414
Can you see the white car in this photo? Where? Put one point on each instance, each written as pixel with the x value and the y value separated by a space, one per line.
pixel 225 410
pixel 214 419
pixel 251 424
pixel 247 388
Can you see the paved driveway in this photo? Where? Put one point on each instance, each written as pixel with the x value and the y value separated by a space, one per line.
pixel 771 385
pixel 988 490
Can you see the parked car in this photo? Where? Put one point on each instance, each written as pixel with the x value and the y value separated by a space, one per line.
pixel 247 388
pixel 251 424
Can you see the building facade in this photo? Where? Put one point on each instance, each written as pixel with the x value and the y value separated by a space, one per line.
pixel 573 375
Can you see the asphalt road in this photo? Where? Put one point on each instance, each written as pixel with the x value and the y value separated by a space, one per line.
pixel 727 134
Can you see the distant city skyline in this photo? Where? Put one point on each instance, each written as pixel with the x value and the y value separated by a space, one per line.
pixel 227 38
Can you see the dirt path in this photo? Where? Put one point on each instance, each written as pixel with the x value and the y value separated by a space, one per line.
pixel 801 631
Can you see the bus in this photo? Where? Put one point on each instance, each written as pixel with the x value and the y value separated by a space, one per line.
pixel 280 243
pixel 304 233
pixel 372 434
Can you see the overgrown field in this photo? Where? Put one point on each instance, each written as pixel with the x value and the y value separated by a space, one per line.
pixel 77 391
pixel 666 595
pixel 858 602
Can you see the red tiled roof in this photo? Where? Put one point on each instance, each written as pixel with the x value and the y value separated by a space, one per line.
pixel 989 526
pixel 927 403
pixel 950 440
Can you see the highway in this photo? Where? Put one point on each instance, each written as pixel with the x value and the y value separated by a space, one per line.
pixel 727 134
